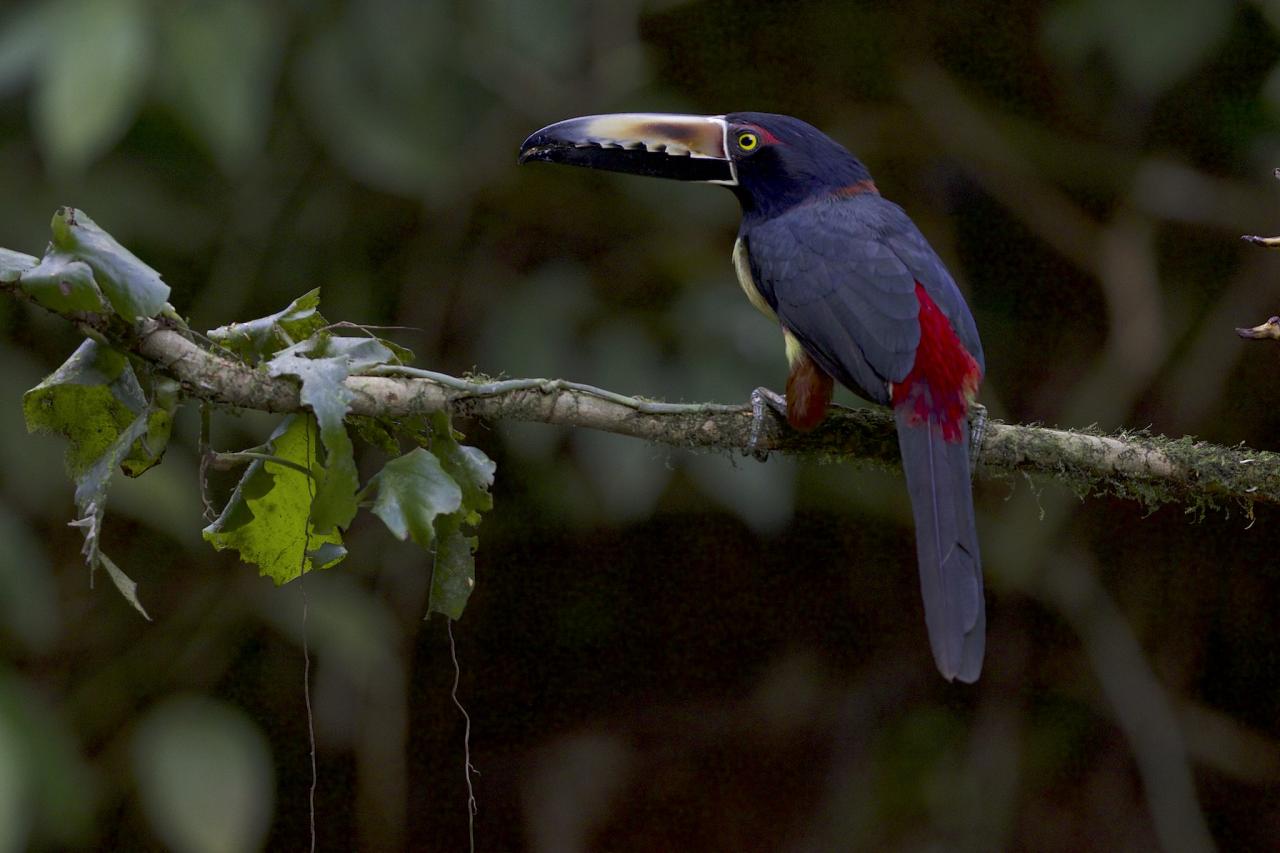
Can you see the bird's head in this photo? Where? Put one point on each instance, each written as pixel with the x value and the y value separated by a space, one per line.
pixel 771 162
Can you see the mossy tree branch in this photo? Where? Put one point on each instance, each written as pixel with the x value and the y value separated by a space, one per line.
pixel 1149 468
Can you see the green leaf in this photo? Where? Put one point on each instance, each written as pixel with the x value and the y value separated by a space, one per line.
pixel 226 103
pixel 134 289
pixel 412 490
pixel 150 446
pixel 446 467
pixel 92 483
pixel 327 554
pixel 453 575
pixel 263 337
pixel 91 79
pixel 373 432
pixel 268 518
pixel 400 355
pixel 204 776
pixel 324 393
pixel 95 401
pixel 323 364
pixel 470 468
pixel 14 264
pixel 360 353
pixel 125 584
pixel 91 399
pixel 61 283
pixel 91 500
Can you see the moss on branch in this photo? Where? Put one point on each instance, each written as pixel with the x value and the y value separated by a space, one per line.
pixel 1148 468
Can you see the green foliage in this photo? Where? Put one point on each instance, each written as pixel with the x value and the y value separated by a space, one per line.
pixel 90 400
pixel 267 335
pixel 14 264
pixel 468 466
pixel 323 363
pixel 301 488
pixel 268 519
pixel 454 574
pixel 91 501
pixel 429 496
pixel 85 269
pixel 162 405
pixel 133 288
pixel 61 283
pixel 95 399
pixel 410 492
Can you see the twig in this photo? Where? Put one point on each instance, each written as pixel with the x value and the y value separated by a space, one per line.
pixel 1268 330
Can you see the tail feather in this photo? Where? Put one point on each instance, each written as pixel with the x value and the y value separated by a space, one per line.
pixel 937 473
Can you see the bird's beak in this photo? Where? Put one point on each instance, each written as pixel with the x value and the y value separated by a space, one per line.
pixel 661 145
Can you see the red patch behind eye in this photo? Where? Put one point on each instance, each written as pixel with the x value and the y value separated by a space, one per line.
pixel 765 136
pixel 943 377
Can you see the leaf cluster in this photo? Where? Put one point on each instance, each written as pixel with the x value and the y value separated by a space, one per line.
pixel 300 489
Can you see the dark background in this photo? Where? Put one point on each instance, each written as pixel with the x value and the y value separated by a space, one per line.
pixel 664 650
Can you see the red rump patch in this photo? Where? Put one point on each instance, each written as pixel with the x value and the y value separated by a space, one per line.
pixel 943 377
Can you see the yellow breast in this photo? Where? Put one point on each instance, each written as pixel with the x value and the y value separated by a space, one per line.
pixel 743 268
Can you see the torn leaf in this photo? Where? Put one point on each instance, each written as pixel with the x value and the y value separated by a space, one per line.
pixel 267 520
pixel 133 288
pixel 411 491
pixel 261 338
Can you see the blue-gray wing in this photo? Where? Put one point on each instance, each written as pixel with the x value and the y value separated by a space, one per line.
pixel 838 286
pixel 907 243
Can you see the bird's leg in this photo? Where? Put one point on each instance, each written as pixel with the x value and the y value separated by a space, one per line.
pixel 977 429
pixel 760 399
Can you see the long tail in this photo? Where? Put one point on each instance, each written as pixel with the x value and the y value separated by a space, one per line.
pixel 937 472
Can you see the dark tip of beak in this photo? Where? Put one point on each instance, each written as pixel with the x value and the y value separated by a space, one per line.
pixel 540 146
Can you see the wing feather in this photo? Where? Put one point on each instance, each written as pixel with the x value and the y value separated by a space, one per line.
pixel 841 290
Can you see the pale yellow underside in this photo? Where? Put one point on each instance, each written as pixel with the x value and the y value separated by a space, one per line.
pixel 748 285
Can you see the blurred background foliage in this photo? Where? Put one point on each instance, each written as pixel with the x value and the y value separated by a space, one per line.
pixel 664 651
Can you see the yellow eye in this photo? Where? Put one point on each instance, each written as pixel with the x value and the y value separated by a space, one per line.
pixel 748 141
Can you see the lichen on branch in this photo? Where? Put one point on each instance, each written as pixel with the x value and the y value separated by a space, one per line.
pixel 1149 468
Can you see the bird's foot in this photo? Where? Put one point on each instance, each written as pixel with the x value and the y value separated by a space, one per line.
pixel 977 429
pixel 762 398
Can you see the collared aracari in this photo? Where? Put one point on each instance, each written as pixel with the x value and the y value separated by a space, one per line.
pixel 861 298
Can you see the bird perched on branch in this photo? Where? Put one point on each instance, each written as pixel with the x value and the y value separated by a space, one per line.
pixel 861 299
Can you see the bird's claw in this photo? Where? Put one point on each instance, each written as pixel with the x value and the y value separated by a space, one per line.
pixel 977 430
pixel 762 398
